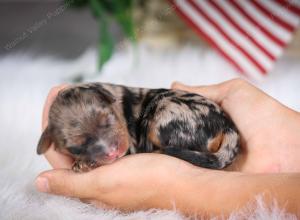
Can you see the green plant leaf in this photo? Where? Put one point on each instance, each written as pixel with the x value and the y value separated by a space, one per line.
pixel 123 15
pixel 106 44
pixel 95 7
pixel 103 10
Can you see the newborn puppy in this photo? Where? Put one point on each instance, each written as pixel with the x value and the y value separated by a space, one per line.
pixel 97 123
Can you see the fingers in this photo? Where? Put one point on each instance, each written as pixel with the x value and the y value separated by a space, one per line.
pixel 55 159
pixel 67 183
pixel 58 160
pixel 217 92
pixel 50 98
pixel 212 92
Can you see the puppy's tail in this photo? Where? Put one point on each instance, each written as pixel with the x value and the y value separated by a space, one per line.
pixel 226 149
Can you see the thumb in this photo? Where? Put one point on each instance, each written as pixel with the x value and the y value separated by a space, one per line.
pixel 216 92
pixel 67 183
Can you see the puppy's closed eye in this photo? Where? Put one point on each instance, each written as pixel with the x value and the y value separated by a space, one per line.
pixel 76 150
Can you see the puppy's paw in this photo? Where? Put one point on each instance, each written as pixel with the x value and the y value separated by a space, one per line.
pixel 80 167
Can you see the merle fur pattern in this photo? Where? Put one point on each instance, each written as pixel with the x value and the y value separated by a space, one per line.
pixel 177 123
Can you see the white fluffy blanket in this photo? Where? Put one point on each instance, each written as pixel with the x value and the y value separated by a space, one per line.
pixel 25 81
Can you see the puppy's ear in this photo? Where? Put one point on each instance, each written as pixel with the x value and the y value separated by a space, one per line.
pixel 105 94
pixel 44 142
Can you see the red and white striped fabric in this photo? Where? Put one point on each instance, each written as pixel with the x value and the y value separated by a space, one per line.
pixel 249 34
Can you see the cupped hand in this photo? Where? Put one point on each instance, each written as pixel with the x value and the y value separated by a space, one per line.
pixel 269 130
pixel 134 182
pixel 269 134
pixel 56 159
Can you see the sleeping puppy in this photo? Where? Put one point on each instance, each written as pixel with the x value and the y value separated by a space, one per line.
pixel 97 123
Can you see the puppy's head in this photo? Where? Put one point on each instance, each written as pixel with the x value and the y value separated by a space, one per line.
pixel 84 123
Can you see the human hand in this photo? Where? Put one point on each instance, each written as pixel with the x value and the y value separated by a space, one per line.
pixel 56 159
pixel 269 130
pixel 145 181
pixel 134 182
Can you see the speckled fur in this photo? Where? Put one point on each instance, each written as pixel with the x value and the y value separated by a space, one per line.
pixel 88 119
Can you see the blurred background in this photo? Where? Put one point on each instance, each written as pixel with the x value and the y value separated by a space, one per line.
pixel 49 42
pixel 70 31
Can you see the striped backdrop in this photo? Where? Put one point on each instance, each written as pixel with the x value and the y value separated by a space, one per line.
pixel 251 35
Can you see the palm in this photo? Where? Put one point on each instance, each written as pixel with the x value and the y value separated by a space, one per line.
pixel 261 121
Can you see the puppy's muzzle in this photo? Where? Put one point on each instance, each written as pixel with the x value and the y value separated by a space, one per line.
pixel 103 154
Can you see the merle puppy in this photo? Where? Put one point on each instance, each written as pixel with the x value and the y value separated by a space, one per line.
pixel 97 123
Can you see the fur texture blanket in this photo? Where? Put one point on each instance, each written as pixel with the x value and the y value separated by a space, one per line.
pixel 25 82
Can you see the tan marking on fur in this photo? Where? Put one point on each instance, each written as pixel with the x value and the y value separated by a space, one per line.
pixel 122 129
pixel 215 143
pixel 152 135
pixel 231 140
pixel 182 112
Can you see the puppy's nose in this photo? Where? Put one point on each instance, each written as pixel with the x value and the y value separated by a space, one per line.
pixel 112 153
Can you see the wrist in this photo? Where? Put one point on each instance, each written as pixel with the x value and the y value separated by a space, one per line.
pixel 215 193
pixel 197 190
pixel 288 142
pixel 209 192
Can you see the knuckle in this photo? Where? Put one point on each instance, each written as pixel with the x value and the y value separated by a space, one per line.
pixel 239 82
pixel 60 185
pixel 174 85
pixel 234 85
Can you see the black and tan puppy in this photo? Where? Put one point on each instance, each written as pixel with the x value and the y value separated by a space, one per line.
pixel 97 123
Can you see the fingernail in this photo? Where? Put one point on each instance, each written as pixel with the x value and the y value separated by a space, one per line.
pixel 42 184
